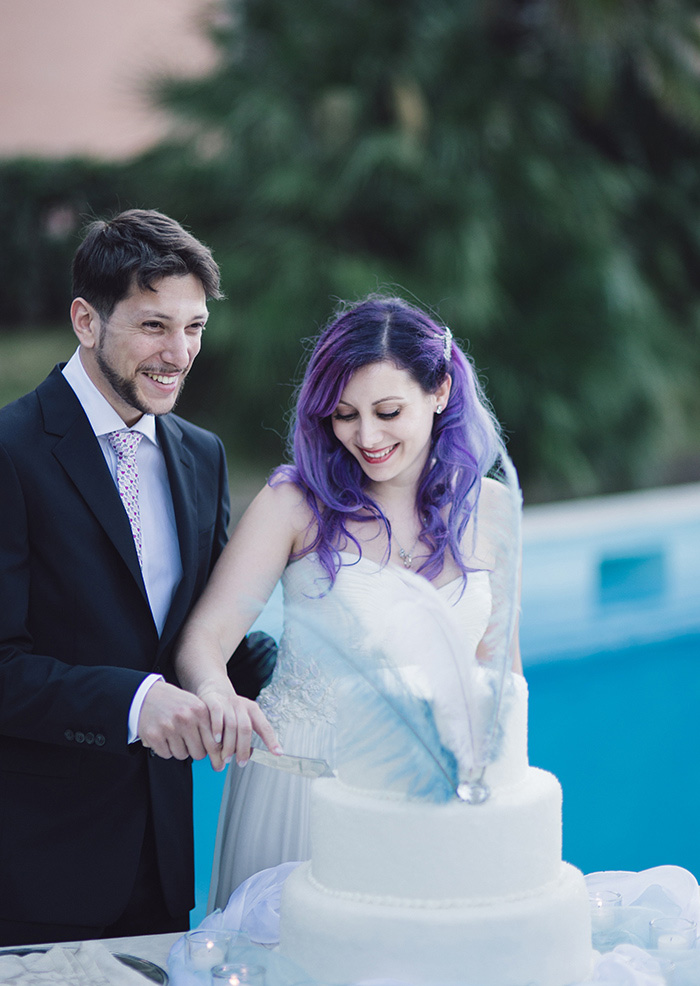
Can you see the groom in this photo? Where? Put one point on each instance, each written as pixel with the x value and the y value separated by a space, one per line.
pixel 113 513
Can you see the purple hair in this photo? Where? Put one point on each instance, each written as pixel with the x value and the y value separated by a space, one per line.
pixel 465 440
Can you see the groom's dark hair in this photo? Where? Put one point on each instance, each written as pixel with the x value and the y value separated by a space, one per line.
pixel 138 246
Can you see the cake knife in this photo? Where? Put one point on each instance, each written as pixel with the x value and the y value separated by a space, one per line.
pixel 304 766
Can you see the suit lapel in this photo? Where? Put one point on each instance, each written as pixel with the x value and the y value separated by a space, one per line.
pixel 80 455
pixel 182 473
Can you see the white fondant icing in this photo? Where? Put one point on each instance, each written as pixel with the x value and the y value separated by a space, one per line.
pixel 510 844
pixel 541 940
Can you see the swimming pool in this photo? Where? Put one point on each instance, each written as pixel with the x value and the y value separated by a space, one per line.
pixel 621 731
pixel 611 644
pixel 611 647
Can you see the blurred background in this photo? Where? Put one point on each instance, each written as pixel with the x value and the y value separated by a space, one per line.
pixel 526 168
pixel 529 171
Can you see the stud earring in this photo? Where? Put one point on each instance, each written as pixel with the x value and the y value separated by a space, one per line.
pixel 438 409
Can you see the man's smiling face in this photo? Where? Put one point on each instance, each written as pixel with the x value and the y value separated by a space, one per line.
pixel 139 357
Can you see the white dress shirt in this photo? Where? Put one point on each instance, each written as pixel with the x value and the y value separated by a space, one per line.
pixel 162 564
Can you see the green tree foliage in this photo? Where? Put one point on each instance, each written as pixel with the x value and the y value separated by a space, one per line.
pixel 40 207
pixel 528 168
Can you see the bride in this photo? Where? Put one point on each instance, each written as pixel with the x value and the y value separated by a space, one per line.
pixel 391 444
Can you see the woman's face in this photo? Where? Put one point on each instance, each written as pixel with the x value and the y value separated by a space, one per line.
pixel 385 420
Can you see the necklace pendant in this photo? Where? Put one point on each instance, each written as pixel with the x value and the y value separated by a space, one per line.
pixel 405 558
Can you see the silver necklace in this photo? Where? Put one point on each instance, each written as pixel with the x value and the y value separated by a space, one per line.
pixel 406 556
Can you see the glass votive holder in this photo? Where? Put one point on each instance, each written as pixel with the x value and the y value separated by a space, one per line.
pixel 238 974
pixel 206 948
pixel 672 933
pixel 238 939
pixel 603 909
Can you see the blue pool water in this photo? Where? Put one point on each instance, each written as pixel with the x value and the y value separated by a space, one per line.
pixel 620 729
pixel 208 788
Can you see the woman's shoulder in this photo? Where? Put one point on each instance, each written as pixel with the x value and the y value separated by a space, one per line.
pixel 284 503
pixel 285 495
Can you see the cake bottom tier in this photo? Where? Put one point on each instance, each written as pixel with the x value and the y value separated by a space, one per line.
pixel 543 939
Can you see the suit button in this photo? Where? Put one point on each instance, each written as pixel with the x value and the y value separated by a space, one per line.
pixel 99 740
pixel 69 735
pixel 80 737
pixel 89 737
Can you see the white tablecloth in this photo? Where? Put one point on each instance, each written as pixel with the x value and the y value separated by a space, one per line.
pixel 88 963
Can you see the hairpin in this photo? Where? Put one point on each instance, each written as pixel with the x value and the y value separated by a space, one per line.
pixel 447 346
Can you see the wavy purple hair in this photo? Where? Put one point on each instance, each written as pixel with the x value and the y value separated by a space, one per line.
pixel 465 440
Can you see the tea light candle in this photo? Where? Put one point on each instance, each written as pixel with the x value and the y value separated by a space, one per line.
pixel 603 904
pixel 206 956
pixel 672 933
pixel 239 975
pixel 672 941
pixel 206 949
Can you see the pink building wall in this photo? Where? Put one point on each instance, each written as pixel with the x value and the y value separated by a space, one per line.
pixel 72 72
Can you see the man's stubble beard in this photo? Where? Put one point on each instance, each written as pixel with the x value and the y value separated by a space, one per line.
pixel 126 389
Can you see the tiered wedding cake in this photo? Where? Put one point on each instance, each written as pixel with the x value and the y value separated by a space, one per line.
pixel 441 893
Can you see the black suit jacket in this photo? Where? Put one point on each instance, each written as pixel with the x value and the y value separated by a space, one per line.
pixel 76 639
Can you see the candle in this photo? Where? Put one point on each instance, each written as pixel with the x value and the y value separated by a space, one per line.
pixel 205 949
pixel 672 933
pixel 239 975
pixel 671 940
pixel 206 956
pixel 603 913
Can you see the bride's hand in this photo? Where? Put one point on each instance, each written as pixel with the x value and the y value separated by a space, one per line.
pixel 233 720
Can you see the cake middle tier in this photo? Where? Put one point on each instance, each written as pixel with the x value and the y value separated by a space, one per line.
pixel 387 848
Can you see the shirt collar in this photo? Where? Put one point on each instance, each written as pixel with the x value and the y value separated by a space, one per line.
pixel 100 413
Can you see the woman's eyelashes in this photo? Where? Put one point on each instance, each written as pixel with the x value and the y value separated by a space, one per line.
pixel 351 415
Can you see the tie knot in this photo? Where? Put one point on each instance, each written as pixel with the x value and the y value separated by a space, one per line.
pixel 125 443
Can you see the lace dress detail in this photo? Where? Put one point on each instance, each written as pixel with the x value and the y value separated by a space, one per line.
pixel 299 690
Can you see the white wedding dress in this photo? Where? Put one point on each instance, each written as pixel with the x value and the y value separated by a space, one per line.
pixel 264 817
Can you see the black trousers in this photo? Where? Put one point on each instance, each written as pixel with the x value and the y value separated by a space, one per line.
pixel 145 914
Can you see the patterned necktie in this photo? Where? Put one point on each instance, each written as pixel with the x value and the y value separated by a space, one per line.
pixel 125 444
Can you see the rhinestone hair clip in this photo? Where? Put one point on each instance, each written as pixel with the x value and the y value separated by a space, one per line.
pixel 447 344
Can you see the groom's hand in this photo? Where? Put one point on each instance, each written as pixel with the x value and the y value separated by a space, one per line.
pixel 174 723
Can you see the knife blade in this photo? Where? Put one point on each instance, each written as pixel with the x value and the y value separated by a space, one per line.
pixel 303 766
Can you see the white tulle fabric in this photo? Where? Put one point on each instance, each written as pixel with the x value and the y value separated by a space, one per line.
pixel 669 891
pixel 264 818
